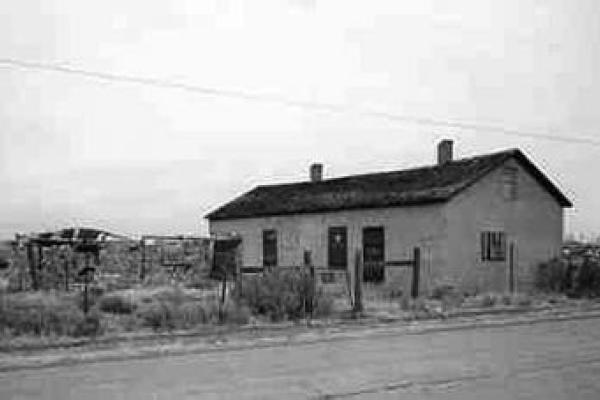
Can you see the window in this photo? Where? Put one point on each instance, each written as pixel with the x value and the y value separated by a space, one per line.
pixel 338 247
pixel 269 248
pixel 509 183
pixel 493 246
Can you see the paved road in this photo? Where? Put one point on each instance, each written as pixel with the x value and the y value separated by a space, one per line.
pixel 549 360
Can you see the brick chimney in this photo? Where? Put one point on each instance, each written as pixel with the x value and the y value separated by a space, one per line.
pixel 316 172
pixel 444 151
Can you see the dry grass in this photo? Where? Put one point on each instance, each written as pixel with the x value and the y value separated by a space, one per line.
pixel 45 314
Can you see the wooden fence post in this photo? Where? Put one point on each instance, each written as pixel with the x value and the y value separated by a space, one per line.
pixel 358 272
pixel 310 301
pixel 143 260
pixel 40 259
pixel 31 262
pixel 511 270
pixel 224 286
pixel 85 284
pixel 238 275
pixel 67 260
pixel 416 272
pixel 223 293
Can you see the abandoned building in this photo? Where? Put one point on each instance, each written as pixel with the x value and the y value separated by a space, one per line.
pixel 481 223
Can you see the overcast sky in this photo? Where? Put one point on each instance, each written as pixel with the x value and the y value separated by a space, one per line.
pixel 140 159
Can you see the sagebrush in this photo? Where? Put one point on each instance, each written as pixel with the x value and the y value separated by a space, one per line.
pixel 283 295
pixel 46 314
pixel 575 280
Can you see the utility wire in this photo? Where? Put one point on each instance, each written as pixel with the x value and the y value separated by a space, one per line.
pixel 308 105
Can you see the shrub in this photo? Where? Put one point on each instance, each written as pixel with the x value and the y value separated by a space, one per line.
pixel 553 276
pixel 237 313
pixel 163 309
pixel 172 295
pixel 442 290
pixel 387 291
pixel 279 295
pixel 116 304
pixel 198 280
pixel 323 305
pixel 488 300
pixel 158 278
pixel 418 308
pixel 587 279
pixel 90 325
pixel 173 309
pixel 45 314
pixel 95 292
pixel 158 315
pixel 558 276
pixel 522 300
pixel 448 296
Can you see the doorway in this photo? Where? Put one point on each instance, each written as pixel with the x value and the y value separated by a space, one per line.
pixel 373 254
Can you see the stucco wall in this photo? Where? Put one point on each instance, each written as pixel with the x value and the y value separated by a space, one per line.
pixel 448 234
pixel 405 228
pixel 533 222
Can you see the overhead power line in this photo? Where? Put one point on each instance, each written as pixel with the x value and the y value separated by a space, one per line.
pixel 308 105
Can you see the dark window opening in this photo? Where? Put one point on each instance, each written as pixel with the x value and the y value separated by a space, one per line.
pixel 269 248
pixel 338 247
pixel 493 246
pixel 373 254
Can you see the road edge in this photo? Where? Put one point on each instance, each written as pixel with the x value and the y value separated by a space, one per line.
pixel 306 337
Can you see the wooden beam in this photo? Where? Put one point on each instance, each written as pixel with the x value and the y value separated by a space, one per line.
pixel 358 272
pixel 252 270
pixel 416 272
pixel 403 263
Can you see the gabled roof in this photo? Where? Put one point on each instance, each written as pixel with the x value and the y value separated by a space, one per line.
pixel 409 187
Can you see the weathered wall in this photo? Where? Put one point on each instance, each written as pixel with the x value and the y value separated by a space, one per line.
pixel 533 222
pixel 448 234
pixel 405 228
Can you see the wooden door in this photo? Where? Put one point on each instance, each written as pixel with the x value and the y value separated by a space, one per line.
pixel 373 254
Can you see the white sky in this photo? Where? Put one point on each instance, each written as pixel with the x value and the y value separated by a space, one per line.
pixel 138 159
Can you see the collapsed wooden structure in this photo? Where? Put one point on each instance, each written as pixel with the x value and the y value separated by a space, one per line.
pixel 67 244
pixel 69 257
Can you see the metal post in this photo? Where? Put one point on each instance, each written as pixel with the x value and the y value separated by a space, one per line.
pixel 416 272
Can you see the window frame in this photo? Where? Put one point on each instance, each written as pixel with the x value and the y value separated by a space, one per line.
pixel 373 267
pixel 493 246
pixel 270 251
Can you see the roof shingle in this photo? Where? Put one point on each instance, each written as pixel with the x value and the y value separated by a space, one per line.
pixel 424 185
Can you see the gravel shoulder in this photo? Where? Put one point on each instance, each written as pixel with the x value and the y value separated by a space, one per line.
pixel 220 339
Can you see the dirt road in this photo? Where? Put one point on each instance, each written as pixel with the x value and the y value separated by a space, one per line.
pixel 549 360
